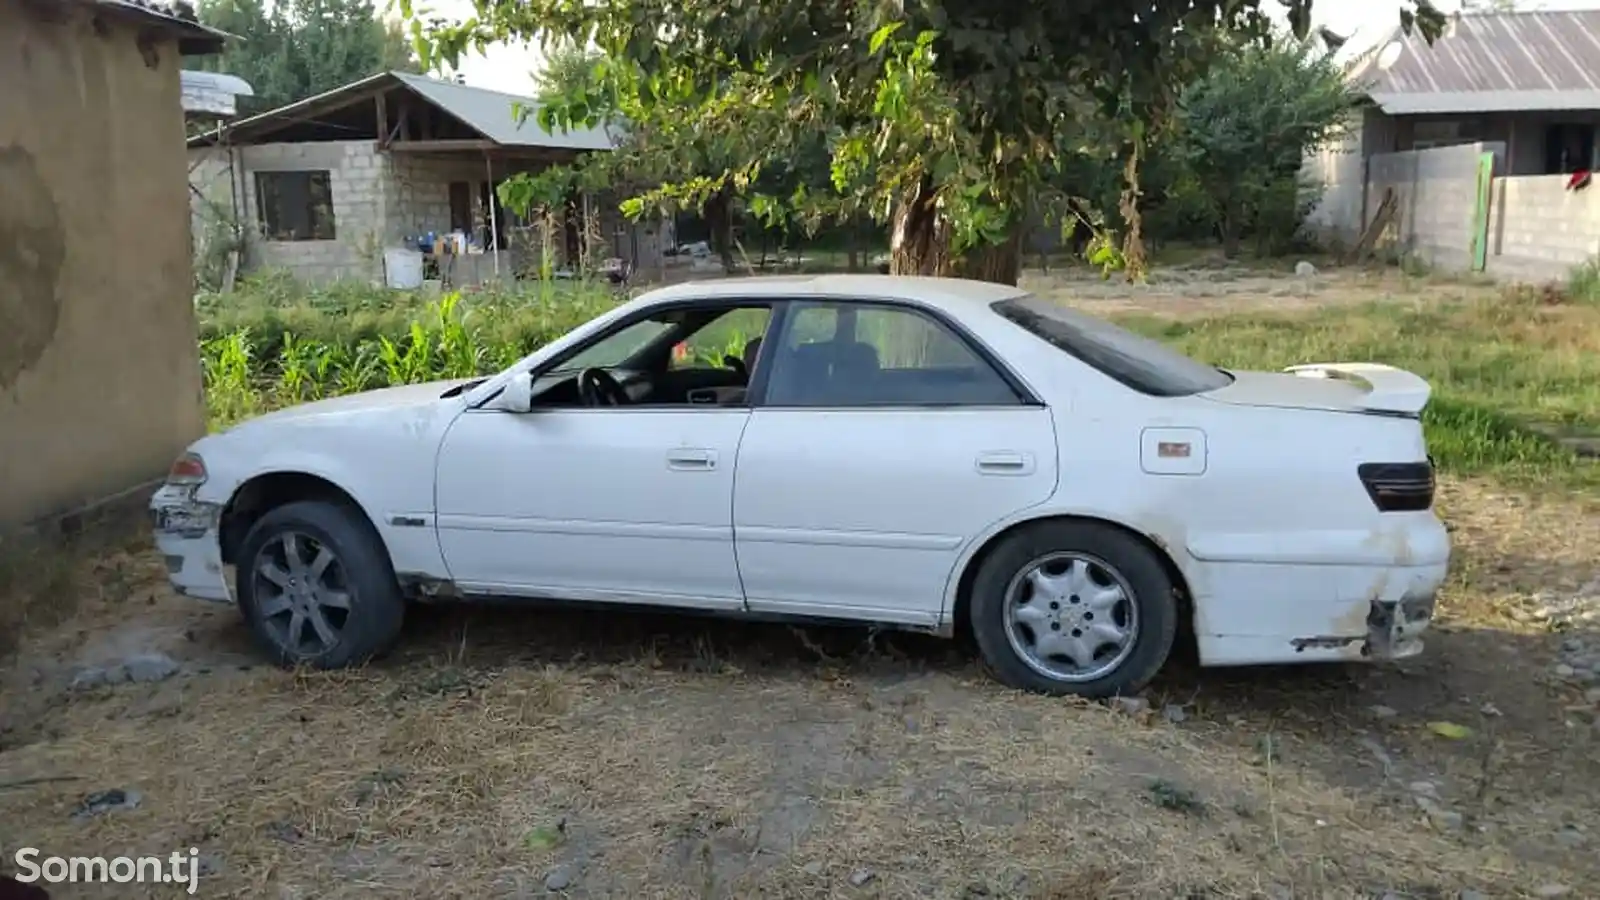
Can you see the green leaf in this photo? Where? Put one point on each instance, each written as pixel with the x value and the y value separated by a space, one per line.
pixel 876 42
pixel 543 837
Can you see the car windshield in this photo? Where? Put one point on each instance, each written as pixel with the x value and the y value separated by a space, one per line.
pixel 1138 362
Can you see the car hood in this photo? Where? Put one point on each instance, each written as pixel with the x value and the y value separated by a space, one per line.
pixel 409 396
pixel 1339 387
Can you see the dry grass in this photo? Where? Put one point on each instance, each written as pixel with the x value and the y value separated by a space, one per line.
pixel 668 757
pixel 672 757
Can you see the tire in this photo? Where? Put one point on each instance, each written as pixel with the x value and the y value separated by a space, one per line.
pixel 1138 575
pixel 360 573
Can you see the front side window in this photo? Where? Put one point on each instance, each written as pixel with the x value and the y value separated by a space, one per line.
pixel 1146 366
pixel 295 206
pixel 615 349
pixel 842 354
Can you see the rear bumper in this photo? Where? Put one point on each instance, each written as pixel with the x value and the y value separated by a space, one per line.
pixel 186 532
pixel 1366 608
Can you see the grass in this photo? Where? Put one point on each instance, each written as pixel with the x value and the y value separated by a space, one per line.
pixel 1508 369
pixel 654 756
pixel 501 751
pixel 1512 370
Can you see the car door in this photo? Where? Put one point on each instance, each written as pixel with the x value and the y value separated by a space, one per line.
pixel 884 442
pixel 621 503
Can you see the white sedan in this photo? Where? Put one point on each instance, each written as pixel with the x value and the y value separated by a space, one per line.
pixel 931 454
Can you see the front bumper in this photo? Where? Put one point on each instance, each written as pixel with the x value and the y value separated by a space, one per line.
pixel 187 532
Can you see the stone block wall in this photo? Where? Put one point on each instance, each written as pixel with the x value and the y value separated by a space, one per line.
pixel 1541 230
pixel 1437 194
pixel 361 189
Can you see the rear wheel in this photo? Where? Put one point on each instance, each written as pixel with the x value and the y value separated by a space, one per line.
pixel 317 588
pixel 1074 608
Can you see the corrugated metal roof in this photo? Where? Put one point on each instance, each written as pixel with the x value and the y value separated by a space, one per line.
pixel 487 112
pixel 212 93
pixel 1490 62
pixel 490 112
pixel 194 37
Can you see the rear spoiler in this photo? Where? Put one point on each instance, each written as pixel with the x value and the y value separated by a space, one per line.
pixel 1389 389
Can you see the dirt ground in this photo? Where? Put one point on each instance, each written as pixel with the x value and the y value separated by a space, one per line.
pixel 517 753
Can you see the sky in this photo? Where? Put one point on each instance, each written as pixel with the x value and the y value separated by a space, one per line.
pixel 510 68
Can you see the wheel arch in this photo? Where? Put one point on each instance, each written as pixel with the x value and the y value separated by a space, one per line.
pixel 266 491
pixel 957 620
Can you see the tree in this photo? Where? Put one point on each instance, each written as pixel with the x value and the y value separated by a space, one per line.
pixel 943 116
pixel 1249 121
pixel 294 49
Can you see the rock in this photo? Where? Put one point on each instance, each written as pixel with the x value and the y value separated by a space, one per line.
pixel 1470 894
pixel 1565 671
pixel 1382 712
pixel 861 876
pixel 91 677
pixel 1572 645
pixel 1442 819
pixel 1592 696
pixel 1304 269
pixel 813 868
pixel 558 879
pixel 1132 706
pixel 1551 890
pixel 1424 789
pixel 1446 819
pixel 1570 838
pixel 149 667
pixel 1174 714
pixel 106 801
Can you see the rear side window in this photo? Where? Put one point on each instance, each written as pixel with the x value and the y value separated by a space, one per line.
pixel 1146 366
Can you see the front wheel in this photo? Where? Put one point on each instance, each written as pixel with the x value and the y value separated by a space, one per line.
pixel 1074 608
pixel 317 588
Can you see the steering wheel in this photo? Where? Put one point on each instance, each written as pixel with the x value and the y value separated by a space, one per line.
pixel 597 387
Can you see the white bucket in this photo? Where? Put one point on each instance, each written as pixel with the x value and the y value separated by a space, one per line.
pixel 402 268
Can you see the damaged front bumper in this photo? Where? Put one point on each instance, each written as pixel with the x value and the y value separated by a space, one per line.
pixel 187 532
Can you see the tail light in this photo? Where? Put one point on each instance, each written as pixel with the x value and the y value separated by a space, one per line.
pixel 1398 487
pixel 188 469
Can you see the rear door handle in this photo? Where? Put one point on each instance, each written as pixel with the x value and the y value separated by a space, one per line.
pixel 691 459
pixel 1005 462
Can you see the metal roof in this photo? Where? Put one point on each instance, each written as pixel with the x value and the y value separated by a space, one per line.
pixel 194 37
pixel 487 112
pixel 1489 62
pixel 490 112
pixel 212 93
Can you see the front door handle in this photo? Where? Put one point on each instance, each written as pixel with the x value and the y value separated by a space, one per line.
pixel 1005 462
pixel 691 459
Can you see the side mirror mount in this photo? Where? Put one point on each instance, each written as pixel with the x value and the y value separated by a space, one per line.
pixel 516 396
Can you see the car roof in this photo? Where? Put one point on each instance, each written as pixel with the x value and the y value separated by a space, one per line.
pixel 957 296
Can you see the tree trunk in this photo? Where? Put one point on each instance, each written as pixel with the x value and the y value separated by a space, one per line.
pixel 919 244
pixel 1231 217
pixel 1133 255
pixel 719 218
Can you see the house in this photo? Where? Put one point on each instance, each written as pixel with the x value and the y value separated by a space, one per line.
pixel 1521 87
pixel 344 185
pixel 99 370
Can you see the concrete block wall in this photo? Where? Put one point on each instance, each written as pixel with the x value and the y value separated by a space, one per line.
pixel 360 182
pixel 422 193
pixel 1339 169
pixel 1541 230
pixel 1437 194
